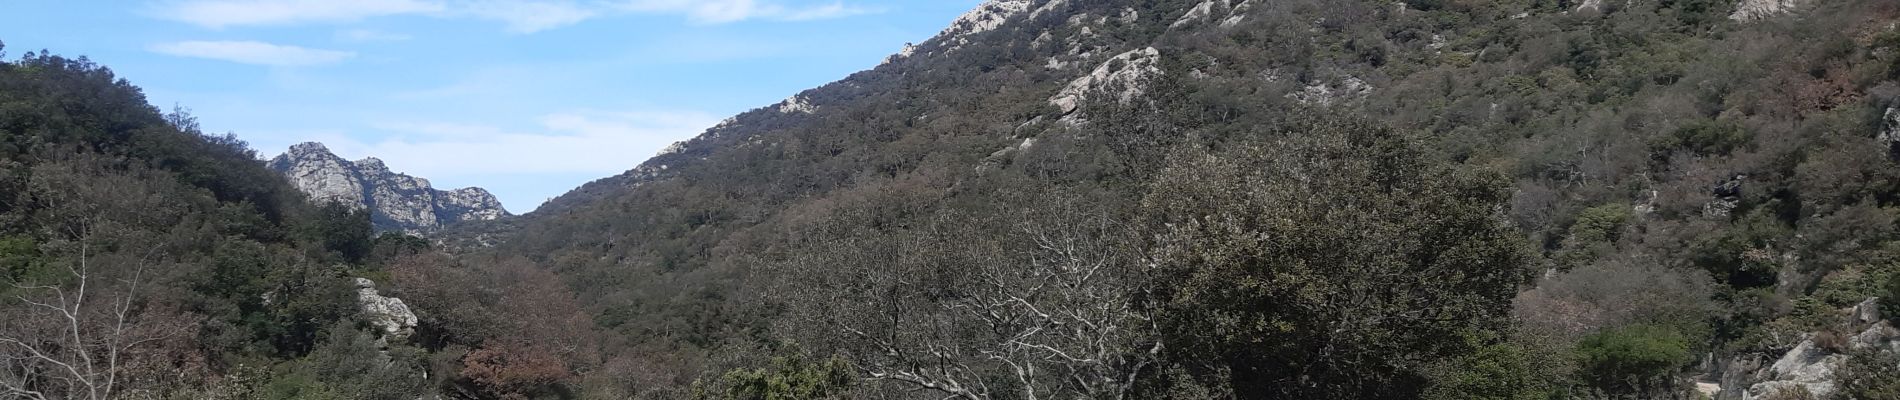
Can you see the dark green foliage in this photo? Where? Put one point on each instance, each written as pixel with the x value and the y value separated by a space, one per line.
pixel 202 243
pixel 1347 248
pixel 1633 360
pixel 19 258
pixel 1600 224
pixel 1742 256
pixel 1504 371
pixel 1614 123
pixel 303 302
pixel 390 246
pixel 1347 280
pixel 1593 235
pixel 1698 14
pixel 788 377
pixel 1870 375
pixel 1890 298
pixel 349 365
pixel 1702 138
pixel 342 232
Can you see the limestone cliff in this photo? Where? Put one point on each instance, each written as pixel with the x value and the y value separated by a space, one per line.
pixel 397 202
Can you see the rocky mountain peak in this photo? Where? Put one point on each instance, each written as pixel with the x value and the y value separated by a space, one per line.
pixel 372 164
pixel 397 202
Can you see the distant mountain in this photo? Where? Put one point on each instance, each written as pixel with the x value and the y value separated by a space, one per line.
pixel 397 202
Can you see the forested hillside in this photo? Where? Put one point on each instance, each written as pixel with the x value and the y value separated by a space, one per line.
pixel 142 258
pixel 1284 199
pixel 1307 199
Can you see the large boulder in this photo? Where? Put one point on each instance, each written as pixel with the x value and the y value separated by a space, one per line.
pixel 1880 337
pixel 1807 367
pixel 1867 311
pixel 388 315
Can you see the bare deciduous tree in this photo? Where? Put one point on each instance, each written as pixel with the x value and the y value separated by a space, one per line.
pixel 1051 311
pixel 86 327
pixel 76 341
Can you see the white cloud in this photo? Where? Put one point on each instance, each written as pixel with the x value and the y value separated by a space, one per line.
pixel 519 16
pixel 523 167
pixel 590 142
pixel 371 35
pixel 725 11
pixel 252 52
pixel 529 16
pixel 227 13
pixel 828 11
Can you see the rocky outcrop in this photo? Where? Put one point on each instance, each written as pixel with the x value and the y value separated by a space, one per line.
pixel 796 105
pixel 1329 93
pixel 1807 368
pixel 1810 367
pixel 984 18
pixel 1890 132
pixel 1867 312
pixel 396 202
pixel 1229 12
pixel 1125 76
pixel 1727 196
pixel 1749 10
pixel 391 318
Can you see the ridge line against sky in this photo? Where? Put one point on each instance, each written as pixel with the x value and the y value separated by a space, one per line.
pixel 525 98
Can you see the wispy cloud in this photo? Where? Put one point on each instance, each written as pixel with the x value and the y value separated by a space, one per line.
pixel 581 141
pixel 726 11
pixel 569 147
pixel 229 13
pixel 828 11
pixel 252 52
pixel 371 35
pixel 522 16
pixel 518 16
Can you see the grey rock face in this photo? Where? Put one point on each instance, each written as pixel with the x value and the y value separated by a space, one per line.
pixel 1749 10
pixel 1809 367
pixel 1806 368
pixel 396 202
pixel 1890 132
pixel 388 314
pixel 1867 311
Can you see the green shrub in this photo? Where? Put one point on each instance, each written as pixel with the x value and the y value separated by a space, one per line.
pixel 1870 375
pixel 1601 223
pixel 1633 359
pixel 1890 301
pixel 1594 234
pixel 787 378
pixel 1505 371
pixel 1705 138
pixel 19 258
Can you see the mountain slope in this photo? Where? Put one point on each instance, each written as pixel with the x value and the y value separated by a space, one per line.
pixel 396 202
pixel 143 258
pixel 1721 158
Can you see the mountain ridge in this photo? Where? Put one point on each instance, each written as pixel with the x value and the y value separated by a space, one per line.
pixel 1104 98
pixel 396 201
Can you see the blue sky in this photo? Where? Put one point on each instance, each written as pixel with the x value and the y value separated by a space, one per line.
pixel 527 98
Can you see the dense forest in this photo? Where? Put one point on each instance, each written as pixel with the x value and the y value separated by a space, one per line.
pixel 143 258
pixel 1444 199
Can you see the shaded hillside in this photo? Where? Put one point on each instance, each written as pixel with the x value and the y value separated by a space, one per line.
pixel 1733 167
pixel 143 258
